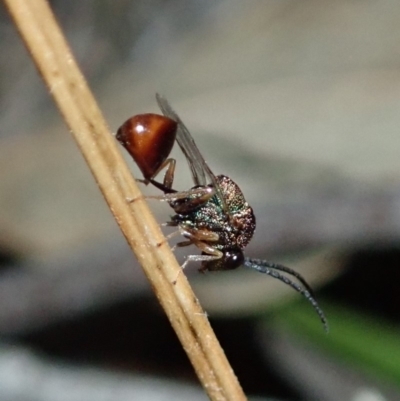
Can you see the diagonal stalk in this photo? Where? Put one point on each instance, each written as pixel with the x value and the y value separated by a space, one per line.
pixel 53 58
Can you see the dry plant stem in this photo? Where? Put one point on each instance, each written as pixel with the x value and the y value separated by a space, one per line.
pixel 56 64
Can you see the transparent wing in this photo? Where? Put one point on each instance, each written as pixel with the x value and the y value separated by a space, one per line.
pixel 201 173
pixel 197 164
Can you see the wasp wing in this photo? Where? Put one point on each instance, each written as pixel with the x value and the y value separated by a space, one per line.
pixel 198 166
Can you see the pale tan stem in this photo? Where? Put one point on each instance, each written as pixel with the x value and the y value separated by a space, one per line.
pixel 59 70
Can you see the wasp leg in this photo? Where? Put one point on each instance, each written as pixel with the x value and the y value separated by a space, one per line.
pixel 186 201
pixel 212 254
pixel 209 252
pixel 182 244
pixel 200 258
pixel 198 238
pixel 166 185
pixel 194 234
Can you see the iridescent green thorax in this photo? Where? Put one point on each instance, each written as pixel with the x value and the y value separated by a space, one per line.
pixel 235 226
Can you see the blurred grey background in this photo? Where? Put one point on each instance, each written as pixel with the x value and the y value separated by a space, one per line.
pixel 299 103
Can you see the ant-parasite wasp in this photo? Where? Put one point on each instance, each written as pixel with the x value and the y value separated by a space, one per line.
pixel 213 215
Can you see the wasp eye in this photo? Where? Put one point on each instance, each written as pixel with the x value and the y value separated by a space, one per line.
pixel 233 258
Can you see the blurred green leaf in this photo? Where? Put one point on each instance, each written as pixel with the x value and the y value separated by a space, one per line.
pixel 371 344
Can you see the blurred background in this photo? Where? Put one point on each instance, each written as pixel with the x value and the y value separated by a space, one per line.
pixel 299 103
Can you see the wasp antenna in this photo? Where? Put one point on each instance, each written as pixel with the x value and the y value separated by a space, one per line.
pixel 270 270
pixel 285 269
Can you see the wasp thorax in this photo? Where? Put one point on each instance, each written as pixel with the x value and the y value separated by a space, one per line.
pixel 242 221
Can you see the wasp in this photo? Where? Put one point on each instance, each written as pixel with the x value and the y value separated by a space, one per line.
pixel 213 215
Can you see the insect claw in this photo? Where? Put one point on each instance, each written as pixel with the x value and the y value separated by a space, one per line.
pixel 133 200
pixel 177 276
